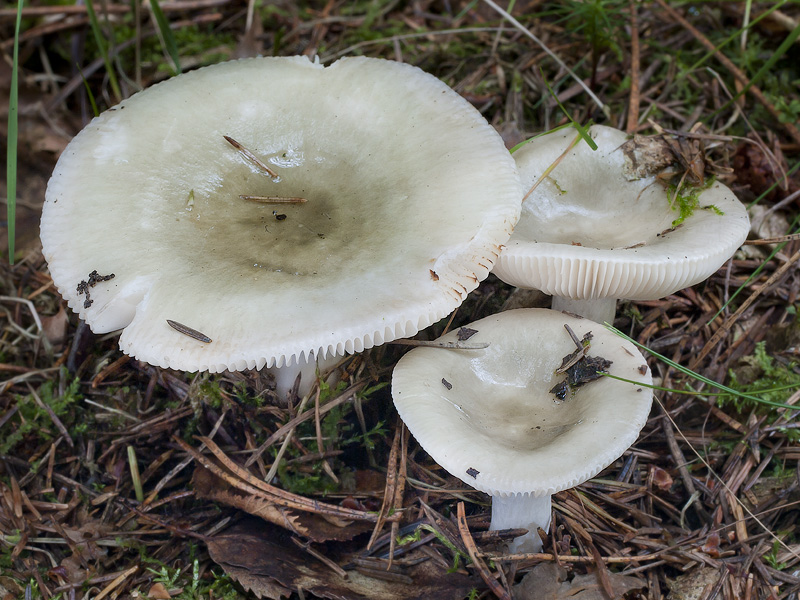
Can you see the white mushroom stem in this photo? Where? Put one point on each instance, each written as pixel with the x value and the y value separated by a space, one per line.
pixel 599 310
pixel 522 511
pixel 307 369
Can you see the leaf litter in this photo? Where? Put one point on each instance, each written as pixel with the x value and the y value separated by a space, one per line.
pixel 659 517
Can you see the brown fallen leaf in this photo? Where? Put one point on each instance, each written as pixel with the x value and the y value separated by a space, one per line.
pixel 646 156
pixel 548 581
pixel 316 528
pixel 55 327
pixel 694 585
pixel 262 558
pixel 711 546
pixel 661 479
pixel 158 592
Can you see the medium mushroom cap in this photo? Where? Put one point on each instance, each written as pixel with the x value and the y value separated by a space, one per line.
pixel 592 229
pixel 409 196
pixel 489 418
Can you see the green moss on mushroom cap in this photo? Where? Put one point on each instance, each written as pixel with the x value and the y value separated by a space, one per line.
pixel 409 194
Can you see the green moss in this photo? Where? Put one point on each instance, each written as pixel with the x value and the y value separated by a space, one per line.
pixel 769 374
pixel 685 199
pixel 33 419
pixel 339 431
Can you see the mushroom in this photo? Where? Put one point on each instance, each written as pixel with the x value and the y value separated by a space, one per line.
pixel 273 211
pixel 494 419
pixel 595 229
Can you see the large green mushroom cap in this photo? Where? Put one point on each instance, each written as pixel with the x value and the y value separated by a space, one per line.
pixel 409 196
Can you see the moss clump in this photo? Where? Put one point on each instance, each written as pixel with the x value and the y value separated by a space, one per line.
pixel 684 198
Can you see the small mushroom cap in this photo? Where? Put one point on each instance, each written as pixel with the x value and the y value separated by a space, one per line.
pixel 409 196
pixel 592 229
pixel 495 425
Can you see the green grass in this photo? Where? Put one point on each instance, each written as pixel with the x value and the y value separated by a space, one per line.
pixel 13 136
pixel 733 393
pixel 103 50
pixel 32 420
pixel 775 382
pixel 167 38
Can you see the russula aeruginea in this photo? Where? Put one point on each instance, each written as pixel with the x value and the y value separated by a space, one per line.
pixel 490 418
pixel 594 230
pixel 390 200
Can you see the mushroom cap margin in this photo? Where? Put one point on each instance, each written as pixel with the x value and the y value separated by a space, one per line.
pixel 564 245
pixel 428 122
pixel 477 429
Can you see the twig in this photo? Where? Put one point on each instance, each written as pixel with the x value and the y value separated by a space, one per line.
pixel 114 584
pixel 735 71
pixel 273 470
pixel 80 9
pixel 320 442
pixel 550 53
pixel 729 322
pixel 552 166
pixel 680 462
pixel 399 488
pixel 321 558
pixel 250 156
pixel 388 493
pixel 274 494
pixel 634 99
pixel 24 377
pixel 713 473
pixel 30 306
pixel 435 344
pixel 109 370
pixel 498 590
pixel 53 416
pixel 343 397
pixel 776 240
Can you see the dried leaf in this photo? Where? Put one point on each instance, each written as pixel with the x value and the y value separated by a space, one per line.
pixel 693 585
pixel 262 558
pixel 646 156
pixel 547 581
pixel 464 333
pixel 158 592
pixel 10 587
pixel 711 547
pixel 661 479
pixel 313 527
pixel 55 327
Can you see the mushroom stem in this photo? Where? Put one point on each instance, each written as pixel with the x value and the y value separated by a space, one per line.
pixel 599 310
pixel 522 510
pixel 306 367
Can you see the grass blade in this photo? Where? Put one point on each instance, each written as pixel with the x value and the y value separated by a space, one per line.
pixel 89 93
pixel 133 464
pixel 167 39
pixel 11 150
pixel 697 376
pixel 582 131
pixel 767 66
pixel 690 392
pixel 101 45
